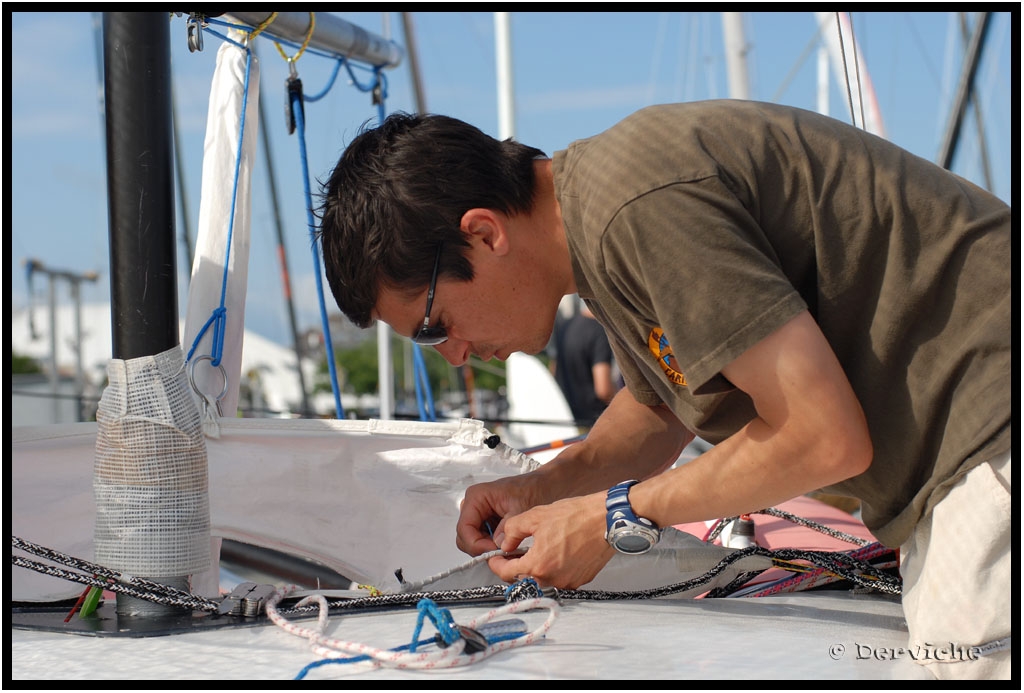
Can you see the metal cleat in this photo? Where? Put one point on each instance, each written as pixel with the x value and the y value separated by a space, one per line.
pixel 475 641
pixel 247 599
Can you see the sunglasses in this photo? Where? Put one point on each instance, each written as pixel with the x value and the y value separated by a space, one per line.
pixel 427 335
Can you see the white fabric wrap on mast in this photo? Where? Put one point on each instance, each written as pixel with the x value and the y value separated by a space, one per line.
pixel 150 478
pixel 223 124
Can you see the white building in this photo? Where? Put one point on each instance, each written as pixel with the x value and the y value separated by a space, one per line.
pixel 268 369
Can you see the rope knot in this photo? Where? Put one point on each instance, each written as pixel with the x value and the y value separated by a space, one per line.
pixel 440 617
pixel 524 588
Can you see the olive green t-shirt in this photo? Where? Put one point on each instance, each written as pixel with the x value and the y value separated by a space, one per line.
pixel 698 229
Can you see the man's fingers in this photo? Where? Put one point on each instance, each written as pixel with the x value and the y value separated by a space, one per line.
pixel 505 567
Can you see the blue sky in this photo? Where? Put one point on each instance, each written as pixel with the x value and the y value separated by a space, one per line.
pixel 574 75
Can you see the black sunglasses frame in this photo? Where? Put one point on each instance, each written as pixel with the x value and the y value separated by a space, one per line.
pixel 427 335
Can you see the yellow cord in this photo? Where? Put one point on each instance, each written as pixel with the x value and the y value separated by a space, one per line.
pixel 374 592
pixel 305 43
pixel 263 25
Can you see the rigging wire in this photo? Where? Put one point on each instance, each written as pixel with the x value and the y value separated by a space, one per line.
pixel 296 98
pixel 846 74
pixel 856 68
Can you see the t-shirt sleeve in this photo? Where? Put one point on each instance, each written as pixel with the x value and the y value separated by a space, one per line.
pixel 692 260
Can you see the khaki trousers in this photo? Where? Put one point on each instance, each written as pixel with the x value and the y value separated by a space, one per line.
pixel 956 570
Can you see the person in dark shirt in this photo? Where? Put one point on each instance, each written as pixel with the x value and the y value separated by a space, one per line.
pixel 583 367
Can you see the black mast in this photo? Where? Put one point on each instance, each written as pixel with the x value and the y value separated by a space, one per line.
pixel 140 183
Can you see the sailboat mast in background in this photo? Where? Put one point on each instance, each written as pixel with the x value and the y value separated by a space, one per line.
pixel 506 89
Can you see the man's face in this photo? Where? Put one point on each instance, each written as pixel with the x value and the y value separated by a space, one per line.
pixel 501 311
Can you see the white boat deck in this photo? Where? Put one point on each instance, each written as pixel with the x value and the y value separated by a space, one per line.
pixel 366 497
pixel 809 636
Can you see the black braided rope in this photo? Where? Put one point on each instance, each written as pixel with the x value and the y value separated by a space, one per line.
pixel 192 602
pixel 848 567
pixel 406 599
pixel 795 519
pixel 853 569
pixel 165 592
pixel 824 529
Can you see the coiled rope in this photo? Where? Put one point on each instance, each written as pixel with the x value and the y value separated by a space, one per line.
pixel 456 653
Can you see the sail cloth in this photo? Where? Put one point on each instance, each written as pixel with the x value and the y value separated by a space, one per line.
pixel 224 230
pixel 534 400
pixel 365 498
pixel 150 471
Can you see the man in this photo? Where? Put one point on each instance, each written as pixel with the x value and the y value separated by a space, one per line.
pixel 827 309
pixel 583 366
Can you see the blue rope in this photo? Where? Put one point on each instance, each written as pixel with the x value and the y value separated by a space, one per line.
pixel 225 37
pixel 440 617
pixel 525 588
pixel 492 639
pixel 379 76
pixel 442 620
pixel 379 79
pixel 330 83
pixel 425 400
pixel 300 126
pixel 418 384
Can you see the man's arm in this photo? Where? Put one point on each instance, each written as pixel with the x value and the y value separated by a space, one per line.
pixel 604 385
pixel 809 432
pixel 629 438
pixel 654 441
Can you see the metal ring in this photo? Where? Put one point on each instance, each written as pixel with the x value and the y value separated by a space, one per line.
pixel 192 379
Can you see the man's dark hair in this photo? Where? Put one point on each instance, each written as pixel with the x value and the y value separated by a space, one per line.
pixel 402 188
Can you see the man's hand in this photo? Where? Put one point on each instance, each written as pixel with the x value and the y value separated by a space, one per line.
pixel 485 505
pixel 569 548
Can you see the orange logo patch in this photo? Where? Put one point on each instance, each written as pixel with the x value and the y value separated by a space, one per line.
pixel 657 342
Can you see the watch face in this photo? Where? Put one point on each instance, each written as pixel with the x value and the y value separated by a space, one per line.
pixel 632 544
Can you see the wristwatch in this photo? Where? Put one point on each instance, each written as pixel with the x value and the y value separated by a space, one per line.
pixel 628 533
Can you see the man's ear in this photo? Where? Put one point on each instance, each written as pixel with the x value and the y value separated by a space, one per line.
pixel 486 227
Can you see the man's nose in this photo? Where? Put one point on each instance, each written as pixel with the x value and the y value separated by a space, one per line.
pixel 454 351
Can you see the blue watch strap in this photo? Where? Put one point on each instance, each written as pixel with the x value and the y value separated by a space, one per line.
pixel 617 504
